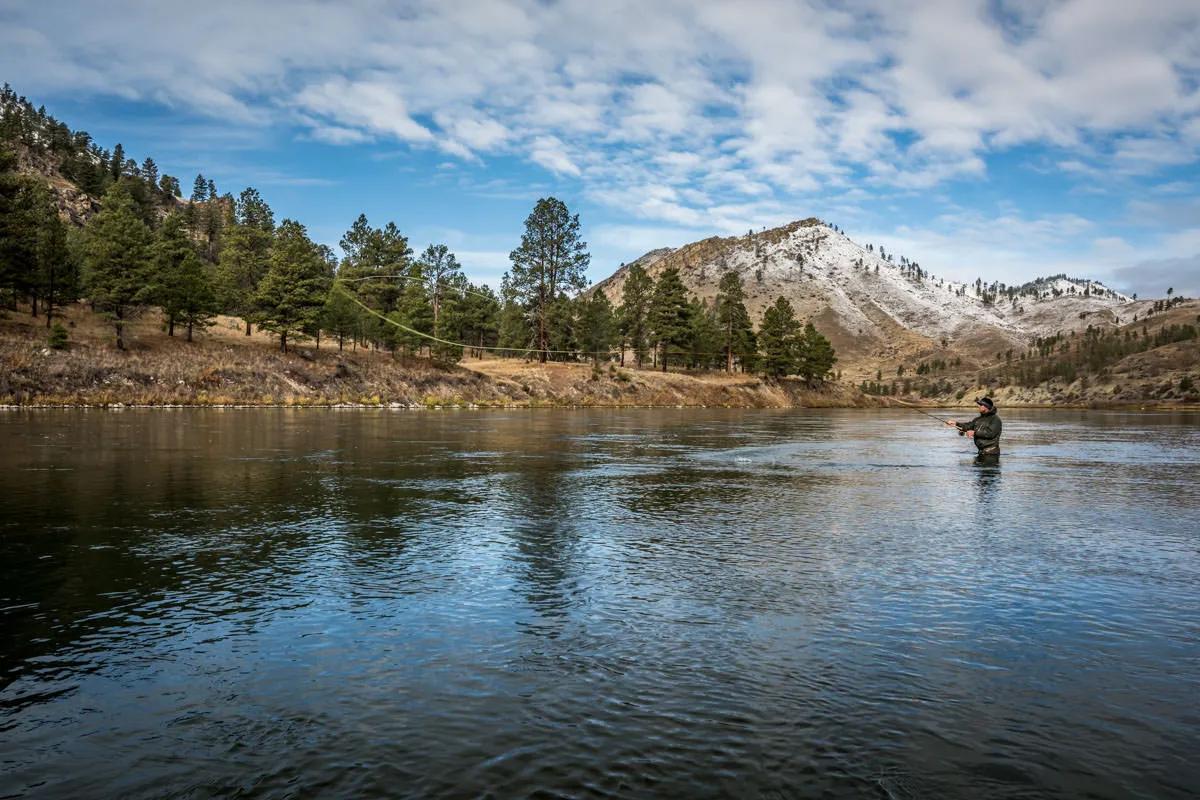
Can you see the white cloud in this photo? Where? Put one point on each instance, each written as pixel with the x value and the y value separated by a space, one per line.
pixel 549 152
pixel 1153 277
pixel 335 134
pixel 716 113
pixel 474 132
pixel 374 106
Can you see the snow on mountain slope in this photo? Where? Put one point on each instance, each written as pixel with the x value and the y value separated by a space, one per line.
pixel 874 309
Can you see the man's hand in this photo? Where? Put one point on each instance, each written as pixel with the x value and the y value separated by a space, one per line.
pixel 951 423
pixel 970 434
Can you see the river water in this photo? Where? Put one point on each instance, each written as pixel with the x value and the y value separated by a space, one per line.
pixel 635 603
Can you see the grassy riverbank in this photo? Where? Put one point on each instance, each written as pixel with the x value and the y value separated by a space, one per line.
pixel 225 367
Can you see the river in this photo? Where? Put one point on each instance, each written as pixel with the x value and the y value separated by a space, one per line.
pixel 632 603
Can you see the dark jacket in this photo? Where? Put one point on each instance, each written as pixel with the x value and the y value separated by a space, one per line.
pixel 987 431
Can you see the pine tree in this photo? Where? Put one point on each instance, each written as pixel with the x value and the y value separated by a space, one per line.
pixel 480 315
pixel 550 259
pixel 779 340
pixel 117 260
pixel 414 310
pixel 181 283
pixel 705 337
pixel 170 186
pixel 214 223
pixel 251 209
pixel 57 267
pixel 292 294
pixel 19 225
pixel 118 162
pixel 377 264
pixel 245 255
pixel 452 317
pixel 150 173
pixel 817 356
pixel 670 315
pixel 58 338
pixel 440 268
pixel 340 315
pixel 634 312
pixel 597 325
pixel 193 213
pixel 562 327
pixel 200 190
pixel 515 333
pixel 732 317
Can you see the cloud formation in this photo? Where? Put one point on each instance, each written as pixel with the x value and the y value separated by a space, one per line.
pixel 706 114
pixel 1153 278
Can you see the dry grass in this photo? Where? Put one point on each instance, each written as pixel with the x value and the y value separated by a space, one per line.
pixel 225 367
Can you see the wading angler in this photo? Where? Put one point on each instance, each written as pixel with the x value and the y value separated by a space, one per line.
pixel 984 429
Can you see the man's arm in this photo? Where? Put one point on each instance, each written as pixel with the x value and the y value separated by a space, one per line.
pixel 963 427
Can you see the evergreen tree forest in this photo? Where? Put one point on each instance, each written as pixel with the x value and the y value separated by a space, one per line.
pixel 141 245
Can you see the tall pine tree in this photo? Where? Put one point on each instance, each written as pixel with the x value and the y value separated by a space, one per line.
pixel 480 316
pixel 551 260
pixel 19 224
pixel 516 335
pixel 245 256
pixel 634 312
pixel 117 258
pixel 670 315
pixel 597 326
pixel 817 356
pixel 57 280
pixel 181 281
pixel 779 339
pixel 414 311
pixel 732 318
pixel 439 268
pixel 340 315
pixel 291 296
pixel 377 267
pixel 704 338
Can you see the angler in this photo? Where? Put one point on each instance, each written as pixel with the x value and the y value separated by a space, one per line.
pixel 984 429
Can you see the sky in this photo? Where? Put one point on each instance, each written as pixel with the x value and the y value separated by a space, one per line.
pixel 1004 139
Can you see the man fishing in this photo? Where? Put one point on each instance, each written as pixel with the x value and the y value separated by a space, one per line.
pixel 984 429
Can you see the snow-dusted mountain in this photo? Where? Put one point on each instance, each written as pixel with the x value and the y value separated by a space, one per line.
pixel 879 308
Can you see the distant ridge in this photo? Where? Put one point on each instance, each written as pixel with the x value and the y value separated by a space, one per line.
pixel 878 307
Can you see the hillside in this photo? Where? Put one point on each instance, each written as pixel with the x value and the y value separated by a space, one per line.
pixel 897 329
pixel 76 169
pixel 226 367
pixel 880 314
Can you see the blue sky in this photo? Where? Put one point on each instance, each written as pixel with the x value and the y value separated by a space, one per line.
pixel 1007 138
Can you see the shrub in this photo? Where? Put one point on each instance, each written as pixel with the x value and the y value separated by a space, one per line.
pixel 58 337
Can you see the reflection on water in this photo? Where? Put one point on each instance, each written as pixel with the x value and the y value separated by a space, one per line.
pixel 269 603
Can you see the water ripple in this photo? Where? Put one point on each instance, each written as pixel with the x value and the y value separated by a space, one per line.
pixel 597 604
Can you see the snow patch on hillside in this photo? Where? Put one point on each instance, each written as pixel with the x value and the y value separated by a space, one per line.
pixel 821 271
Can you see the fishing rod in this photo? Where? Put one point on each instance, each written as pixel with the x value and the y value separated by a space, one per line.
pixel 926 413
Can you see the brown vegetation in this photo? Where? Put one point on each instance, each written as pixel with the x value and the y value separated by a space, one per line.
pixel 225 367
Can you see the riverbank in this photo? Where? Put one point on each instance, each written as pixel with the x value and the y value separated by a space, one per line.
pixel 224 367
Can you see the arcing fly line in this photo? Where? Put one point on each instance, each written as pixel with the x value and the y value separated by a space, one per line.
pixel 922 411
pixel 432 338
pixel 423 279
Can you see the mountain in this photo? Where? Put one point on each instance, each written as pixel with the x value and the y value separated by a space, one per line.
pixel 897 329
pixel 883 311
pixel 75 168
